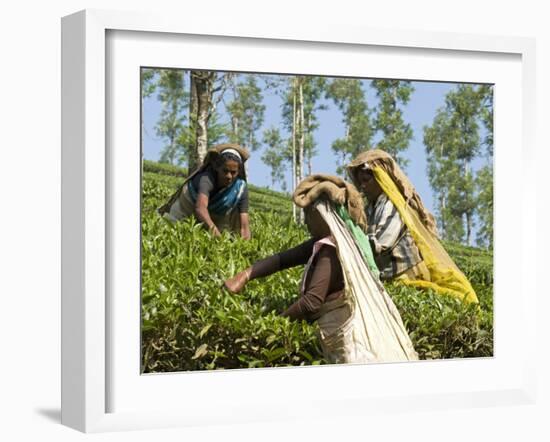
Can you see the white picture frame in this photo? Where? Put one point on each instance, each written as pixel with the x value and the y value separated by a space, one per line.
pixel 87 210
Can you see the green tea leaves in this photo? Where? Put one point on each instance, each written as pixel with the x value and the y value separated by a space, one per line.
pixel 189 322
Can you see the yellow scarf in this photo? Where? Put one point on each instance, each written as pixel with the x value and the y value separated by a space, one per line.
pixel 445 275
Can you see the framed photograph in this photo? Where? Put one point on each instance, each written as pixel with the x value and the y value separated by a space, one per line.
pixel 152 336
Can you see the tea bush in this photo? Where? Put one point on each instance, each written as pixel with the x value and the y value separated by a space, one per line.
pixel 190 323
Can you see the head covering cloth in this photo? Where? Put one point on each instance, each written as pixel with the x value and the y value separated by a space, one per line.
pixel 378 158
pixel 334 189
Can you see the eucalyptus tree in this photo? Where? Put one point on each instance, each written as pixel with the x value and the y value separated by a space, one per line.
pixel 246 111
pixel 452 143
pixel 293 95
pixel 148 86
pixel 206 91
pixel 174 101
pixel 349 97
pixel 396 134
pixel 485 95
pixel 484 179
pixel 147 81
pixel 484 183
pixel 275 156
pixel 440 165
pixel 301 101
pixel 313 90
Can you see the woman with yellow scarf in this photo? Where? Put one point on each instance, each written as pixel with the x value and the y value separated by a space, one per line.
pixel 402 232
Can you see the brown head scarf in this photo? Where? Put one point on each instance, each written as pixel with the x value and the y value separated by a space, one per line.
pixel 335 189
pixel 378 158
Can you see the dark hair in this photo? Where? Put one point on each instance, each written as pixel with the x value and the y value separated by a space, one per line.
pixel 229 156
pixel 224 158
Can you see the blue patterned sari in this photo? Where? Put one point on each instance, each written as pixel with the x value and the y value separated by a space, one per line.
pixel 223 202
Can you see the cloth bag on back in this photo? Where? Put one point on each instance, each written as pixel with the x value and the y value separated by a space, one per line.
pixel 366 327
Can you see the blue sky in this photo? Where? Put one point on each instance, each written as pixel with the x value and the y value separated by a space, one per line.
pixel 419 112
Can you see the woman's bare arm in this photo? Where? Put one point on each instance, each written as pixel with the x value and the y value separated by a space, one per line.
pixel 202 214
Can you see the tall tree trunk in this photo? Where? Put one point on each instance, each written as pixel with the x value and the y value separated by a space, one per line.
pixel 201 101
pixel 468 211
pixel 344 155
pixel 193 162
pixel 235 124
pixel 443 206
pixel 302 140
pixel 172 149
pixel 250 150
pixel 203 107
pixel 468 227
pixel 310 150
pixel 142 133
pixel 294 146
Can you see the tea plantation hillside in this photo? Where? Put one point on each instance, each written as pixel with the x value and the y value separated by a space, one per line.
pixel 190 323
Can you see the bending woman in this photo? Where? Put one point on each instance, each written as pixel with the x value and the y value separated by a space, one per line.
pixel 395 251
pixel 216 194
pixel 323 278
pixel 340 290
pixel 402 232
